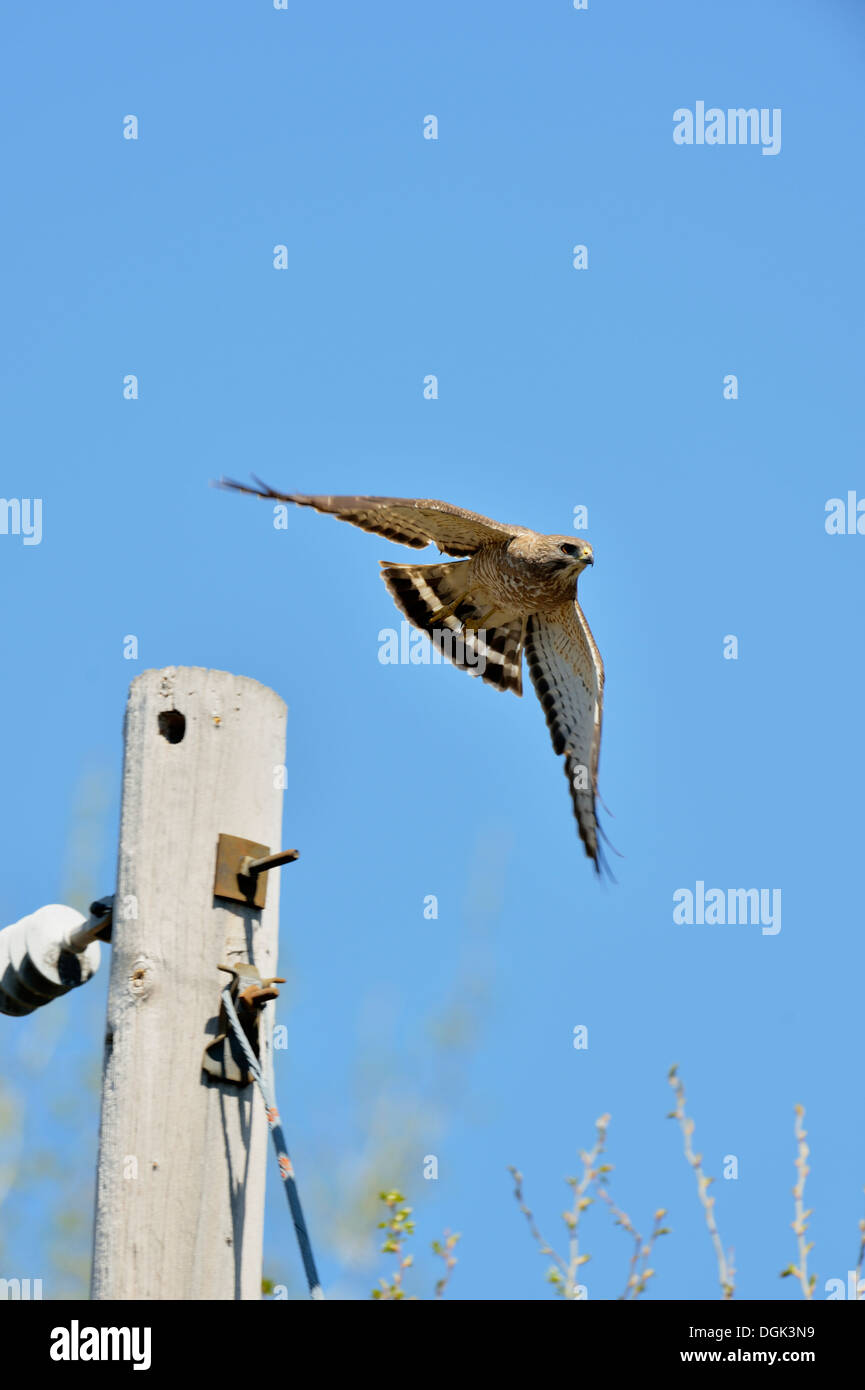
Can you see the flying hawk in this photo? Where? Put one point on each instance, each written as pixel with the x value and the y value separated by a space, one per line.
pixel 512 590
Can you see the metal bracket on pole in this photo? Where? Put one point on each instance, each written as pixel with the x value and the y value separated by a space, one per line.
pixel 241 869
pixel 223 1058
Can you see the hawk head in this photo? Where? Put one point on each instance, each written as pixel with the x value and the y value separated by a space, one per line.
pixel 577 553
pixel 553 555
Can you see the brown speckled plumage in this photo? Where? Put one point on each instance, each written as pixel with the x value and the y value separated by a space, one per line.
pixel 512 589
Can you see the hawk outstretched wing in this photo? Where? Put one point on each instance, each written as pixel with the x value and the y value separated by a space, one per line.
pixel 568 675
pixel 417 522
pixel 497 606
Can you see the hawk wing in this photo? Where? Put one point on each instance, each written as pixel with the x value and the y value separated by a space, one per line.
pixel 568 675
pixel 413 521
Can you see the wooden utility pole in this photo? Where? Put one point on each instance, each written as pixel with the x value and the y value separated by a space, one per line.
pixel 181 1172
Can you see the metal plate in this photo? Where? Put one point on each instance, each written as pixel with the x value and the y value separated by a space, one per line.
pixel 231 851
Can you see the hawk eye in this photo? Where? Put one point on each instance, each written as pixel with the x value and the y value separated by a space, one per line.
pixel 568 549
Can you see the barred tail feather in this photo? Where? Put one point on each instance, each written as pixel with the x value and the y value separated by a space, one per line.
pixel 434 598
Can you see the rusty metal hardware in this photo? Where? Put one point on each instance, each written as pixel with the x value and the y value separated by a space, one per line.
pixel 252 867
pixel 241 869
pixel 223 1058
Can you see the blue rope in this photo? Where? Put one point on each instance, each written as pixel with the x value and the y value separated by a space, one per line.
pixel 286 1169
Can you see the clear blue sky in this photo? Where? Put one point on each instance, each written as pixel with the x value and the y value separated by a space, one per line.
pixel 557 388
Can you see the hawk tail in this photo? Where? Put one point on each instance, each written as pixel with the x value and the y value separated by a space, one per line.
pixel 434 598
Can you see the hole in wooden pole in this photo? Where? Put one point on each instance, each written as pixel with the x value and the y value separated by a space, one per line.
pixel 172 725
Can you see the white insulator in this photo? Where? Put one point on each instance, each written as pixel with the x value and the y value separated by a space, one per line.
pixel 37 963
